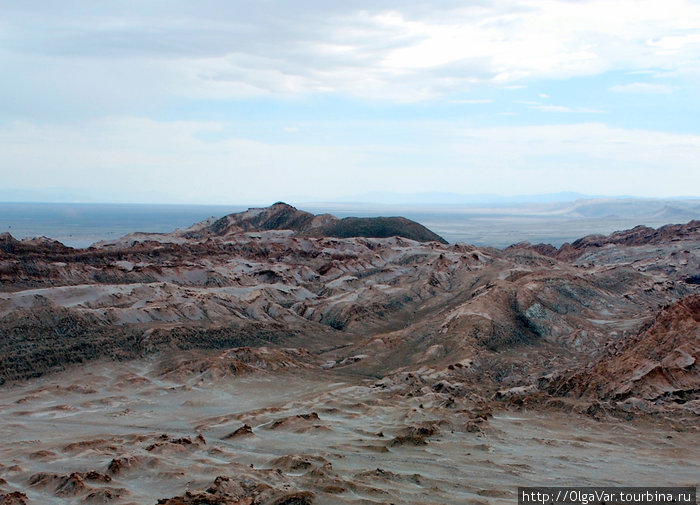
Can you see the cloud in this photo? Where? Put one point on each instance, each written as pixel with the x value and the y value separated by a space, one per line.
pixel 116 158
pixel 552 108
pixel 558 108
pixel 400 51
pixel 329 98
pixel 643 88
pixel 588 157
pixel 122 158
pixel 473 101
pixel 676 43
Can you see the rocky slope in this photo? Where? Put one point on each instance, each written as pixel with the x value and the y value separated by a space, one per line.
pixel 656 366
pixel 266 358
pixel 281 216
pixel 260 278
pixel 639 236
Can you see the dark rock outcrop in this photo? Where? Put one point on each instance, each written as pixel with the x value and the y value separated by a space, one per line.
pixel 282 216
pixel 14 498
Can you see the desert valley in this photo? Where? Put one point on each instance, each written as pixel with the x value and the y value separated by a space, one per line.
pixel 278 357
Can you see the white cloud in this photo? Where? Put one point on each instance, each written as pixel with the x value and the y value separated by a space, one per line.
pixel 410 51
pixel 675 43
pixel 558 108
pixel 103 69
pixel 552 108
pixel 643 88
pixel 545 39
pixel 473 101
pixel 588 157
pixel 118 158
pixel 123 156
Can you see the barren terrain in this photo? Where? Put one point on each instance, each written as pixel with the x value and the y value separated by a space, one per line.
pixel 126 434
pixel 276 357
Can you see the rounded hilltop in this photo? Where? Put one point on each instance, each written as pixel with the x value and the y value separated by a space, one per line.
pixel 282 216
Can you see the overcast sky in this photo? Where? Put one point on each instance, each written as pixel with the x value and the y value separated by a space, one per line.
pixel 258 101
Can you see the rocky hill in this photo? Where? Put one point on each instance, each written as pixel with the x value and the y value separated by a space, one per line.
pixel 638 236
pixel 267 358
pixel 280 276
pixel 282 216
pixel 656 366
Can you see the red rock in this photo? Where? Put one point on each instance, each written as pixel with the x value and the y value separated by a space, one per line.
pixel 14 498
pixel 244 430
pixel 124 464
pixel 658 364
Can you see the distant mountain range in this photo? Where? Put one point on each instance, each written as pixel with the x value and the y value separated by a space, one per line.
pixel 430 198
pixel 442 198
pixel 507 222
pixel 554 204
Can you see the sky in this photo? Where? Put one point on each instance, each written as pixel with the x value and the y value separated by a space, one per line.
pixel 236 101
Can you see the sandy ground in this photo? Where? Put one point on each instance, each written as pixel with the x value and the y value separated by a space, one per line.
pixel 312 430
